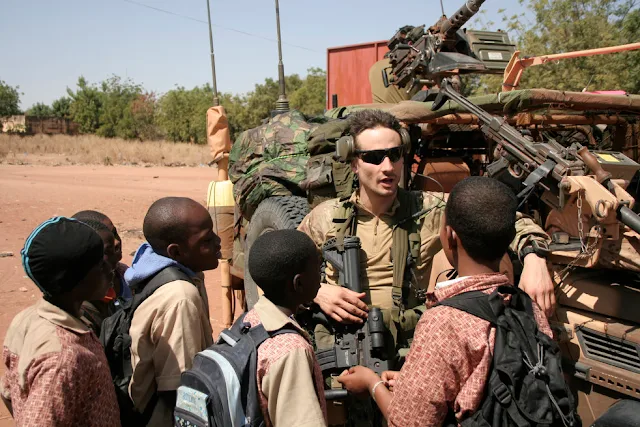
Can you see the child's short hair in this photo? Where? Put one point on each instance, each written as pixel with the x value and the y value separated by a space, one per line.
pixel 90 215
pixel 482 212
pixel 164 222
pixel 95 225
pixel 276 257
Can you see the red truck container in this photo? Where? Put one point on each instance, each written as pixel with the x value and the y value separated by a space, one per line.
pixel 348 72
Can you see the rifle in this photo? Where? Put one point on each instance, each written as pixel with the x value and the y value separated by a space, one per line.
pixel 354 345
pixel 558 170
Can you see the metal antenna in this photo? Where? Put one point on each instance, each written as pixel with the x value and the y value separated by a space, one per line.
pixel 282 104
pixel 216 100
pixel 442 7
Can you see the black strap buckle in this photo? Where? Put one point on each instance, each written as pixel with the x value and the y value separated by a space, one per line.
pixel 502 393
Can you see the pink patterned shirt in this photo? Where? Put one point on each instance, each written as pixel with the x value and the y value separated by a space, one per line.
pixel 290 382
pixel 449 360
pixel 56 371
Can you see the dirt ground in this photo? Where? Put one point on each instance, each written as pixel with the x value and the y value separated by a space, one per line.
pixel 31 194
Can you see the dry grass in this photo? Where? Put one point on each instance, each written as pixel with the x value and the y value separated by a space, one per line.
pixel 90 149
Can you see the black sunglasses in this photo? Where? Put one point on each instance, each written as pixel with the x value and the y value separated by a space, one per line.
pixel 375 157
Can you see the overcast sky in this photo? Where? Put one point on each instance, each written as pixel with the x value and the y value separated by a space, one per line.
pixel 48 44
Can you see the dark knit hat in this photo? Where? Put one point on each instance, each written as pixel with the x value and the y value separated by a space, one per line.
pixel 59 253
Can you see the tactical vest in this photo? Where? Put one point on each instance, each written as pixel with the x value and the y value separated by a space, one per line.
pixel 405 249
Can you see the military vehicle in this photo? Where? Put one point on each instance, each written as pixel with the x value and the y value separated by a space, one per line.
pixel 570 156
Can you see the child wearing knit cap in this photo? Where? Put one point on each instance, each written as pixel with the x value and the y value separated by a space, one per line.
pixel 56 372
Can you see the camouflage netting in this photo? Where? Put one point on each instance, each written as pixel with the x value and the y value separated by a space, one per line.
pixel 270 160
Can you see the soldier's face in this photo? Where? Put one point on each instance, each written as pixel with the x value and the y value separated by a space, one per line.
pixel 381 179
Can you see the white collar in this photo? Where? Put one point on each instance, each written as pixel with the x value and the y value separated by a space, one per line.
pixel 446 283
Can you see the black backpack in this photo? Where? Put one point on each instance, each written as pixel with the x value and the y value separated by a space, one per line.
pixel 221 388
pixel 526 386
pixel 115 339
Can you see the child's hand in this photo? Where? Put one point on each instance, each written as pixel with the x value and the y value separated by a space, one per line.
pixel 358 380
pixel 390 378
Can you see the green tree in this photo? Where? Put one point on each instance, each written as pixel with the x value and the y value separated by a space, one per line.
pixel 116 118
pixel 39 110
pixel 61 108
pixel 182 114
pixel 309 98
pixel 568 25
pixel 9 100
pixel 86 103
pixel 143 110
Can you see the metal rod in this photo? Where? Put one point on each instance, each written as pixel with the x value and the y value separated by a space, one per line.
pixel 216 100
pixel 442 7
pixel 282 105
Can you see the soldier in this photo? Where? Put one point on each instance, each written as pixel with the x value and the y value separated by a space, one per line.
pixel 396 225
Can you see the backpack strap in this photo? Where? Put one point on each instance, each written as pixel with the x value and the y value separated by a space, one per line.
pixel 259 334
pixel 405 249
pixel 168 275
pixel 475 303
pixel 344 221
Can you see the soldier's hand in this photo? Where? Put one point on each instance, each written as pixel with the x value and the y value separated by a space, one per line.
pixel 536 281
pixel 342 304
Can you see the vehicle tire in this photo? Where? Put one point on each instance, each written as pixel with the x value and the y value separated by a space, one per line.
pixel 274 213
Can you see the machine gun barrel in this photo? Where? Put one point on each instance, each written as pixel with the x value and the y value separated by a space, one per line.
pixel 497 129
pixel 462 15
pixel 629 218
pixel 538 164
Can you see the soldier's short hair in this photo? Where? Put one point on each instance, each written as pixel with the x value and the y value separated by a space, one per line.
pixel 482 212
pixel 276 257
pixel 362 120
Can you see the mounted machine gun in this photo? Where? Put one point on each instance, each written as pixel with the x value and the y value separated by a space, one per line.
pixel 420 57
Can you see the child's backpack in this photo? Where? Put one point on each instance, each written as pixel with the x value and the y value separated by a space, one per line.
pixel 115 339
pixel 526 386
pixel 221 389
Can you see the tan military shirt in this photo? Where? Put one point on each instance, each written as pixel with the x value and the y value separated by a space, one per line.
pixel 167 330
pixel 375 235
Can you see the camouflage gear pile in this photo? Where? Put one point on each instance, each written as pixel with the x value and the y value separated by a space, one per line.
pixel 270 160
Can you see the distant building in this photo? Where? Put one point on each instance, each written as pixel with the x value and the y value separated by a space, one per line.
pixel 32 125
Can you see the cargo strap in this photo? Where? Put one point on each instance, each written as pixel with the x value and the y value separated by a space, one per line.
pixel 405 245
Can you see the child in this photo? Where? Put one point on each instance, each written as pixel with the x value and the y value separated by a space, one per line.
pixel 172 325
pixel 285 265
pixel 452 351
pixel 120 287
pixel 94 312
pixel 56 371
